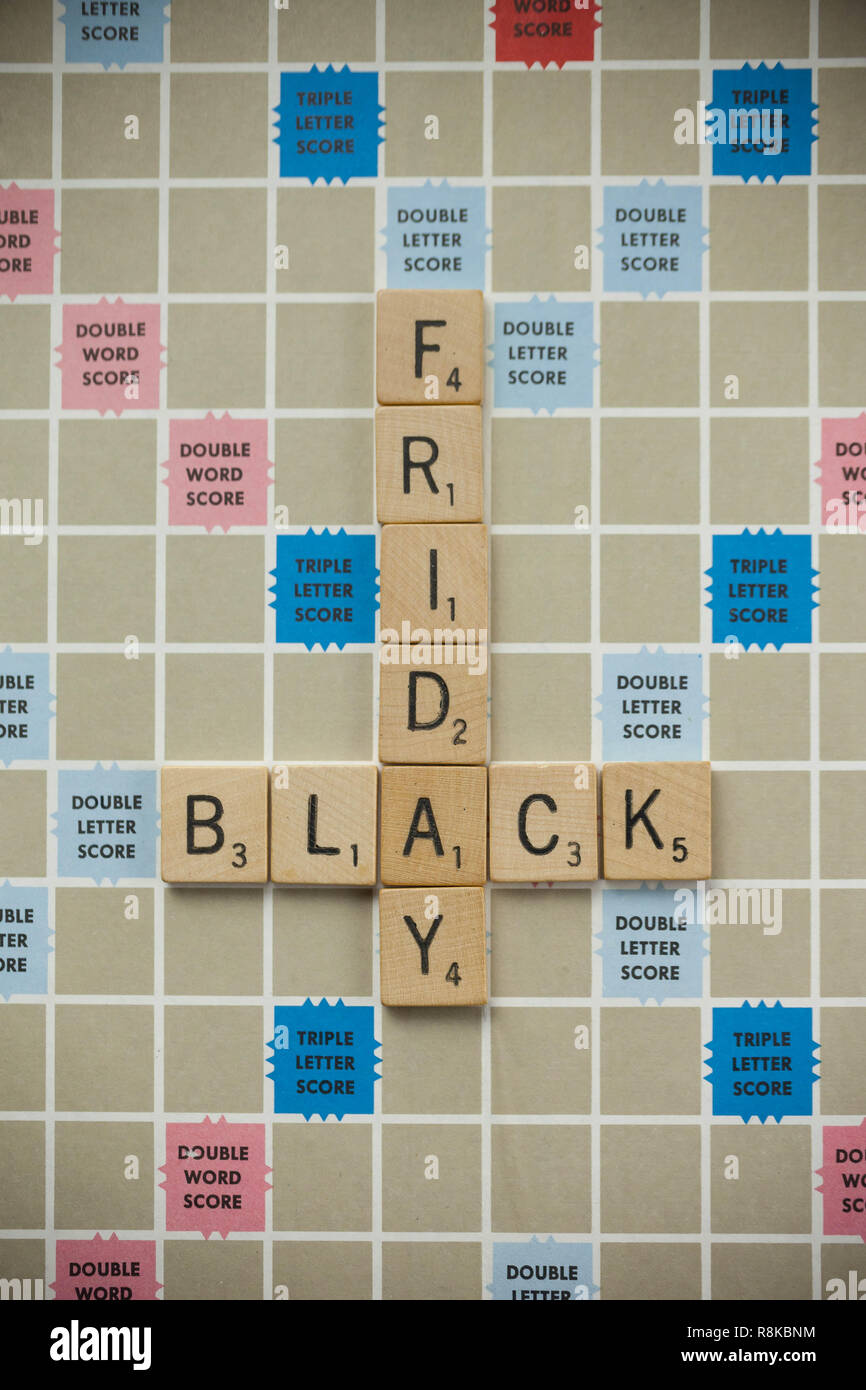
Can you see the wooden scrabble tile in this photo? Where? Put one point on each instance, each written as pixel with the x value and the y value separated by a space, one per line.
pixel 543 822
pixel 433 577
pixel 324 822
pixel 429 347
pixel 433 711
pixel 656 820
pixel 214 824
pixel 432 946
pixel 434 826
pixel 429 463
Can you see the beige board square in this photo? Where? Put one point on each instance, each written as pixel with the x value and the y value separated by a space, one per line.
pixel 431 1178
pixel 843 1061
pixel 214 824
pixel 650 1061
pixel 91 1187
pixel 843 805
pixel 103 1057
pixel 219 125
pixel 432 1271
pixel 213 589
pixel 754 1273
pixel 213 941
pixel 743 29
pixel 217 356
pixel 324 818
pixel 769 1192
pixel 433 947
pixel 95 141
pixel 323 1177
pixel 214 706
pixel 236 258
pixel 841 354
pixel 843 1270
pixel 222 1072
pixel 429 463
pixel 434 826
pixel 541 943
pixel 759 471
pixel 529 694
pixel 653 29
pixel 433 711
pixel 323 942
pixel 650 354
pixel 23 1259
pixel 26 100
pixel 24 585
pixel 766 951
pixel 22 824
pixel 429 347
pixel 323 706
pixel 541 122
pixel 218 31
pixel 761 825
pixel 24 450
pixel 105 588
pixel 553 222
pixel 107 472
pixel 325 356
pixel 765 346
pixel 105 707
pixel 22 1195
pixel 651 1179
pixel 433 1061
pixel 342 31
pixel 330 234
pixel 433 578
pixel 25 356
pixel 540 1178
pixel 560 448
pixel 543 822
pixel 841 214
pixel 637 121
pixel 650 588
pixel 99 947
pixel 774 688
pixel 324 471
pixel 109 241
pixel 540 588
pixel 842 566
pixel 841 30
pixel 843 959
pixel 25 31
pixel 22 1047
pixel 651 471
pixel 842 100
pixel 330 1270
pixel 456 100
pixel 536 1066
pixel 664 1270
pixel 773 222
pixel 453 32
pixel 203 1270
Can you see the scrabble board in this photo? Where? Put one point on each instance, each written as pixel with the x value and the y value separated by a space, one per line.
pixel 241 1088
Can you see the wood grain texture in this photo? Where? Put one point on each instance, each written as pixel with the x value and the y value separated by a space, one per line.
pixel 434 826
pixel 543 822
pixel 656 820
pixel 410 326
pixel 433 711
pixel 324 823
pixel 433 577
pixel 448 967
pixel 234 849
pixel 427 447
